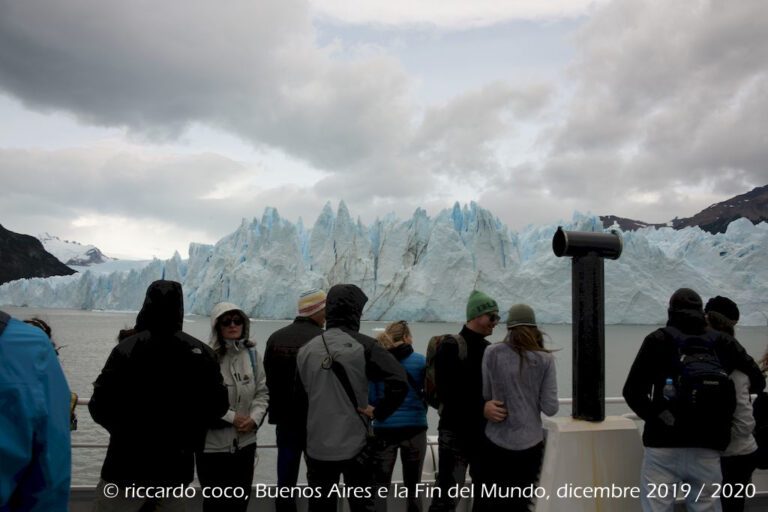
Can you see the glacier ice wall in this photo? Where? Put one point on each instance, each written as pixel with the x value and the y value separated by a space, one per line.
pixel 422 269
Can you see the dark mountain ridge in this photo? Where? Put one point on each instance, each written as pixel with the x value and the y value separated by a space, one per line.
pixel 23 256
pixel 715 218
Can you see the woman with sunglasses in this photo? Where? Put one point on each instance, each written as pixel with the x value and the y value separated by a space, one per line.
pixel 406 429
pixel 226 464
pixel 519 384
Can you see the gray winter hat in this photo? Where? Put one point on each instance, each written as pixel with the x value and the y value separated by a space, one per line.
pixel 521 314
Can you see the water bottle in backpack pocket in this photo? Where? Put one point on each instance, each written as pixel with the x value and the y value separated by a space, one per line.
pixel 705 395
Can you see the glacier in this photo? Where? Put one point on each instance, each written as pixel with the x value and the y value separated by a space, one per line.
pixel 423 269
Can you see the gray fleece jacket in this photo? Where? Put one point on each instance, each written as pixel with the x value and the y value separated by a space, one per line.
pixel 335 430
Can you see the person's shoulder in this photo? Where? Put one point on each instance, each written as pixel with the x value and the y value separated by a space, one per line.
pixel 311 344
pixel 278 334
pixel 545 356
pixel 195 345
pixel 295 330
pixel 723 338
pixel 418 358
pixel 28 336
pixel 495 347
pixel 660 335
pixel 450 340
pixel 21 340
pixel 500 351
pixel 252 350
pixel 448 344
pixel 365 340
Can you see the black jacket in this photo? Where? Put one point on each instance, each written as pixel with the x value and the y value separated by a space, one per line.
pixel 157 394
pixel 460 385
pixel 657 360
pixel 280 367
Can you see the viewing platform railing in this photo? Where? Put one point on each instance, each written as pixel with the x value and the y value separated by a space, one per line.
pixel 617 400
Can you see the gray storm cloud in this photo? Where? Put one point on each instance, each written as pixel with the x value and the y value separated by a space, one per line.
pixel 661 97
pixel 252 69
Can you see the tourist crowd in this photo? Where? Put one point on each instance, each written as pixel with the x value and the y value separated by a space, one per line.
pixel 347 404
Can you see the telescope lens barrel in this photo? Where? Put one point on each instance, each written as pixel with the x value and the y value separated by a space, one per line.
pixel 581 243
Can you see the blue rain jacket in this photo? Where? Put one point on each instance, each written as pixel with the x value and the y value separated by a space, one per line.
pixel 35 453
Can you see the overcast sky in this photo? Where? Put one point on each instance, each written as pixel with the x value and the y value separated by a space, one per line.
pixel 142 126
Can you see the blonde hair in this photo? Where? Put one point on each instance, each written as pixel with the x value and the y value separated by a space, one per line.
pixel 394 335
pixel 398 331
pixel 385 340
pixel 524 338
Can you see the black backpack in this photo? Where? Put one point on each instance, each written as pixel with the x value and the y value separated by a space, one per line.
pixel 706 397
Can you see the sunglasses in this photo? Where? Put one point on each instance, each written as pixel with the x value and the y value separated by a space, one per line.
pixel 493 317
pixel 226 322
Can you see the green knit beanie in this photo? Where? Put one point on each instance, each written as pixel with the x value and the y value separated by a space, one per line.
pixel 480 304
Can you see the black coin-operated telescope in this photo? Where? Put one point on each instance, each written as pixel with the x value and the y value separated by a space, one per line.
pixel 588 309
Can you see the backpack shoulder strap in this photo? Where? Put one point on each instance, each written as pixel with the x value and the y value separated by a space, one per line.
pixel 673 332
pixel 681 338
pixel 462 344
pixel 341 375
pixel 253 362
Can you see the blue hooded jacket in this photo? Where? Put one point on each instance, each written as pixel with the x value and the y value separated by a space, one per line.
pixel 35 450
pixel 411 412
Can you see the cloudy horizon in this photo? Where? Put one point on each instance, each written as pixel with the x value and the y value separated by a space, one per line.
pixel 140 128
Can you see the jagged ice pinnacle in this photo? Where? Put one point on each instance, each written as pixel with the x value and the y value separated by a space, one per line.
pixel 423 269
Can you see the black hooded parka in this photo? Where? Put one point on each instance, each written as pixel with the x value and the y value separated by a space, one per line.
pixel 157 394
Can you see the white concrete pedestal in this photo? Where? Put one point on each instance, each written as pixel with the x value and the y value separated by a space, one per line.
pixel 583 457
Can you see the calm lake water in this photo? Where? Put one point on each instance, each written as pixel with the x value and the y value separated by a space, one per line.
pixel 89 336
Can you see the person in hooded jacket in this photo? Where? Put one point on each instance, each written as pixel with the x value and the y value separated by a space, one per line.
pixel 673 454
pixel 230 446
pixel 333 370
pixel 35 453
pixel 406 429
pixel 157 395
pixel 737 461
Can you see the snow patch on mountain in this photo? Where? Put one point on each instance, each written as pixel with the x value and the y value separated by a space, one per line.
pixel 73 253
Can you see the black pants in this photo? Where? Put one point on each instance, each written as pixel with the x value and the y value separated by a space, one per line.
pixel 513 472
pixel 358 475
pixel 736 470
pixel 226 472
pixel 457 453
pixel 412 451
pixel 291 441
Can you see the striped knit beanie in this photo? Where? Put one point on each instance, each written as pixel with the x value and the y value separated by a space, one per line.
pixel 311 301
